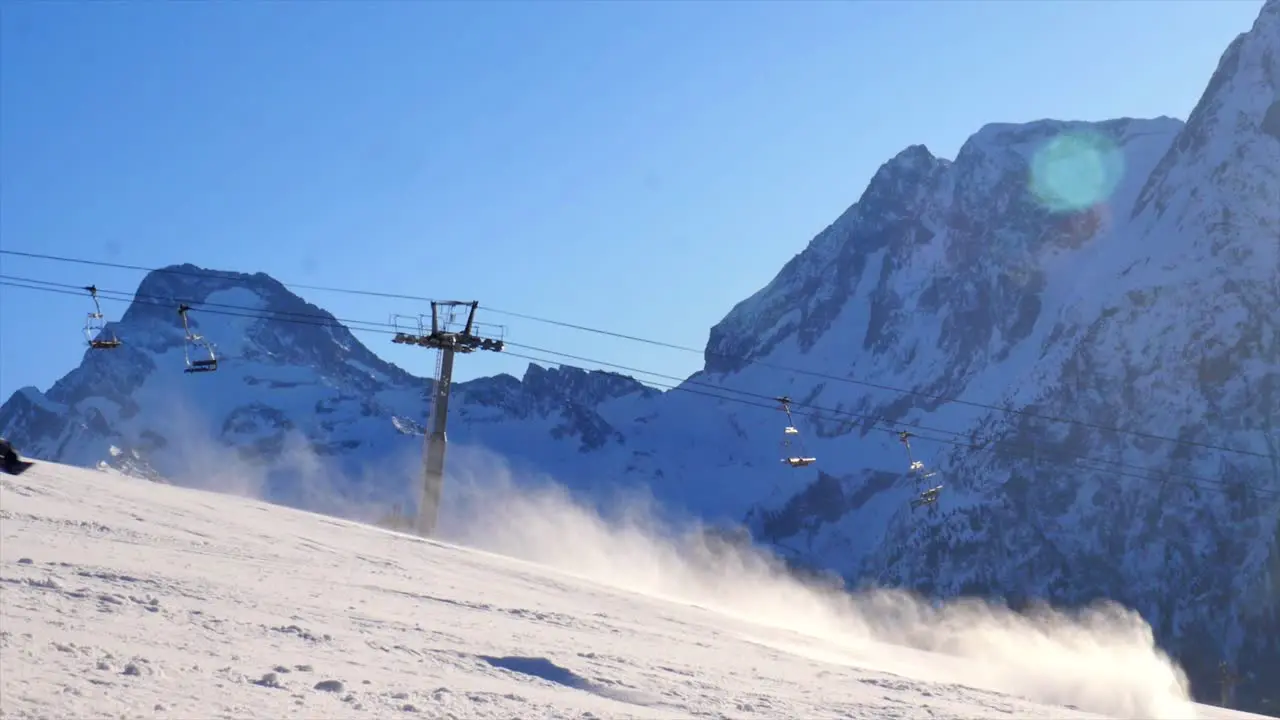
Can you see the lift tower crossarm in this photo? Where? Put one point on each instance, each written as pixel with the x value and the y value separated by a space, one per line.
pixel 447 343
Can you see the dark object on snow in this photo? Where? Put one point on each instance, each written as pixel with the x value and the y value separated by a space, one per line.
pixel 9 460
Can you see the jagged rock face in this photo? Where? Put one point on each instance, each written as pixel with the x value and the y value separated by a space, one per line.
pixel 940 270
pixel 811 291
pixel 1125 274
pixel 974 295
pixel 1186 344
pixel 1154 310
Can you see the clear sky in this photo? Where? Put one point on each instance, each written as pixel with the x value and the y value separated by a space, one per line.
pixel 634 166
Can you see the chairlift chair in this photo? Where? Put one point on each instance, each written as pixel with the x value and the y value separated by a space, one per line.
pixel 95 326
pixel 197 344
pixel 789 455
pixel 928 497
pixel 923 497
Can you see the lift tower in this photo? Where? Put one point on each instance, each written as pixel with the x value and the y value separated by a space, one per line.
pixel 446 340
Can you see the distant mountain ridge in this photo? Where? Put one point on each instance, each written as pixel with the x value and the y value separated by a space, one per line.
pixel 1121 274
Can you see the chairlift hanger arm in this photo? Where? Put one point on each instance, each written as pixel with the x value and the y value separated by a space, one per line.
pixel 182 313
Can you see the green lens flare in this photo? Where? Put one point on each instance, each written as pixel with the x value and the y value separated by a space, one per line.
pixel 1074 171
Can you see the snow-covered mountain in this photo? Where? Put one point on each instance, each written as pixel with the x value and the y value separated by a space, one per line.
pixel 1123 274
pixel 299 410
pixel 1120 274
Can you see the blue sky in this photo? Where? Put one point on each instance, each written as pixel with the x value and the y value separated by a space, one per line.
pixel 634 166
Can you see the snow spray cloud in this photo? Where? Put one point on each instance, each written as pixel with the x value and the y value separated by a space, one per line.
pixel 197 459
pixel 293 474
pixel 1102 659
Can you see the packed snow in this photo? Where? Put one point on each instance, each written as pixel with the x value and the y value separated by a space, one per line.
pixel 123 597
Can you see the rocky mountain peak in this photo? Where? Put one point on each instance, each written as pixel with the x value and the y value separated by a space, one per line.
pixel 194 285
pixel 247 317
pixel 1234 127
pixel 589 387
pixel 276 354
pixel 804 296
pixel 900 173
pixel 1016 195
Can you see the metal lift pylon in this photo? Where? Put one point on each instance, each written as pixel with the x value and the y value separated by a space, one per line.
pixel 447 343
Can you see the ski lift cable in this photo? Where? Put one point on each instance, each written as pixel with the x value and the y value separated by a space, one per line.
pixel 351 325
pixel 324 320
pixel 1006 448
pixel 286 313
pixel 813 410
pixel 816 411
pixel 891 426
pixel 659 343
pixel 995 446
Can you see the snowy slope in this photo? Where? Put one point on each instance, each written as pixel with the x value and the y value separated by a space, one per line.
pixel 126 597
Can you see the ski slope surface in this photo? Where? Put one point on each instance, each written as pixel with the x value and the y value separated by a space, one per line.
pixel 127 598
